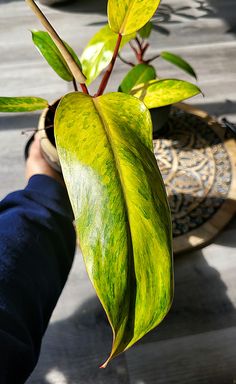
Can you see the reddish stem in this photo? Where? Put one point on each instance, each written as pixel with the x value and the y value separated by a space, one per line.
pixel 145 48
pixel 84 88
pixel 139 43
pixel 110 67
pixel 140 50
pixel 133 48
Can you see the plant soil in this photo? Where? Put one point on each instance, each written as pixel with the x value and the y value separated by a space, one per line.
pixel 49 123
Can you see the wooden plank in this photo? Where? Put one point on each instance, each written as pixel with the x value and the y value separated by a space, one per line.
pixel 200 359
pixel 12 162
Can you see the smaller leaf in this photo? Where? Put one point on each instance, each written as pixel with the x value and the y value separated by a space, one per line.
pixel 157 93
pixel 51 53
pixel 22 104
pixel 179 62
pixel 141 73
pixel 98 53
pixel 128 16
pixel 146 30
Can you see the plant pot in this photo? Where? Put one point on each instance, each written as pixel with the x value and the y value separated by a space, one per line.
pixel 53 2
pixel 47 140
pixel 160 118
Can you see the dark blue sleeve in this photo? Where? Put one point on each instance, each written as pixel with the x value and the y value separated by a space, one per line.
pixel 37 244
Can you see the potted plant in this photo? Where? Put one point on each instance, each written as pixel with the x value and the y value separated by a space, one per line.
pixel 104 143
pixel 94 60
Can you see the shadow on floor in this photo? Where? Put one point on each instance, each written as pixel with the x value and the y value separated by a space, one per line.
pixel 225 10
pixel 74 347
pixel 23 122
pixel 218 109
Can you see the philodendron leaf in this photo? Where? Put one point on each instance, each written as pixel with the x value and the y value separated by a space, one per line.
pixel 146 30
pixel 98 53
pixel 129 16
pixel 179 62
pixel 120 206
pixel 22 104
pixel 157 93
pixel 51 53
pixel 141 73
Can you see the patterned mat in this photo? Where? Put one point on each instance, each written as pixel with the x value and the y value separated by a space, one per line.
pixel 197 163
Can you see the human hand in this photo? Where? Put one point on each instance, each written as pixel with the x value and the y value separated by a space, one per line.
pixel 36 164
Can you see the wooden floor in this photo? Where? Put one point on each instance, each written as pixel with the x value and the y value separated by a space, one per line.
pixel 196 344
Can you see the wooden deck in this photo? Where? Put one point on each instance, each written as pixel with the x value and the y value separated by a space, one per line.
pixel 196 344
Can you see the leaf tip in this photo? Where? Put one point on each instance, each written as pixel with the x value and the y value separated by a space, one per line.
pixel 104 365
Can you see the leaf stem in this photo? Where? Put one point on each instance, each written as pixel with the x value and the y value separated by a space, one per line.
pixel 84 88
pixel 138 51
pixel 133 48
pixel 125 61
pixel 110 67
pixel 152 58
pixel 145 48
pixel 139 43
pixel 75 69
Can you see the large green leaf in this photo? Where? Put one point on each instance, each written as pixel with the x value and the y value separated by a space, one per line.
pixel 179 62
pixel 98 53
pixel 129 16
pixel 157 93
pixel 22 104
pixel 120 207
pixel 51 53
pixel 141 73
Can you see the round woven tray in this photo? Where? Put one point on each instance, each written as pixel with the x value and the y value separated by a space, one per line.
pixel 198 165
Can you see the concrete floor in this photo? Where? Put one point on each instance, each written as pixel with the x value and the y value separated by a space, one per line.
pixel 196 343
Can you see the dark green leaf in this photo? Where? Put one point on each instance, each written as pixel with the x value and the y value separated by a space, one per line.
pixel 146 30
pixel 22 104
pixel 141 73
pixel 179 62
pixel 51 53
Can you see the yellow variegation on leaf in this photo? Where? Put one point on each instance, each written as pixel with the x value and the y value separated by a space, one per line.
pixel 158 93
pixel 128 16
pixel 98 53
pixel 120 206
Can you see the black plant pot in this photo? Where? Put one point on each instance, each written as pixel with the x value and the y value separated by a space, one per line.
pixel 160 118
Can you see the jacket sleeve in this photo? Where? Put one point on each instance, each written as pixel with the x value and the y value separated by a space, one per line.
pixel 37 244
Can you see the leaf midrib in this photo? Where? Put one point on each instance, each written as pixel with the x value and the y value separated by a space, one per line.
pixel 122 28
pixel 121 179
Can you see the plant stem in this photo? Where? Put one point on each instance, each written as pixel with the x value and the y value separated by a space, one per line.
pixel 84 88
pixel 139 43
pixel 75 70
pixel 145 48
pixel 74 84
pixel 110 67
pixel 133 48
pixel 138 51
pixel 152 58
pixel 125 61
